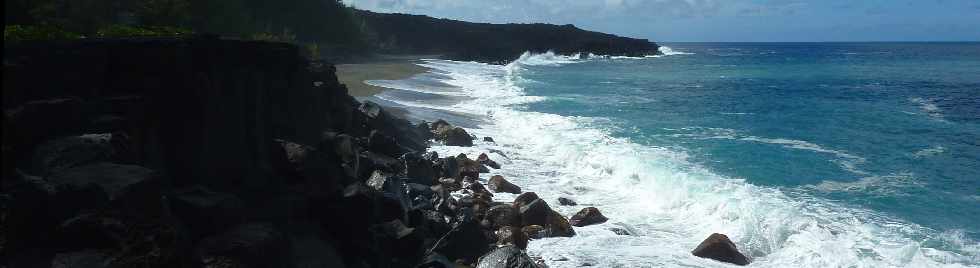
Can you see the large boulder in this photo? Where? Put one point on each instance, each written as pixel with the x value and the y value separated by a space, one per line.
pixel 90 230
pixel 587 216
pixel 537 212
pixel 384 144
pixel 466 242
pixel 500 216
pixel 506 257
pixel 498 184
pixel 205 212
pixel 451 135
pixel 248 245
pixel 418 169
pixel 67 152
pixel 719 247
pixel 135 190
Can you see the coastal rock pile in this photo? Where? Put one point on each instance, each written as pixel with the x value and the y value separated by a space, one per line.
pixel 236 154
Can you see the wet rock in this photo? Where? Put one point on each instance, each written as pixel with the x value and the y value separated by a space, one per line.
pixel 485 160
pixel 451 135
pixel 380 143
pixel 206 212
pixel 488 139
pixel 448 167
pixel 537 212
pixel 506 257
pixel 469 168
pixel 418 169
pixel 719 247
pixel 135 190
pixel 534 231
pixel 511 235
pixel 498 184
pixel 465 242
pixel 248 245
pixel 500 216
pixel 587 216
pixel 566 202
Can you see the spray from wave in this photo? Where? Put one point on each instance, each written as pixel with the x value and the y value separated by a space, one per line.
pixel 665 202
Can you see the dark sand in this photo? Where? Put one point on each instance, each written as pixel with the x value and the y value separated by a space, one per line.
pixel 386 67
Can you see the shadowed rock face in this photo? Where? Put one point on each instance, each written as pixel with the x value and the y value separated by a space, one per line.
pixel 719 247
pixel 496 43
pixel 181 152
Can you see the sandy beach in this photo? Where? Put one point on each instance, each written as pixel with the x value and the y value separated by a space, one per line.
pixel 385 67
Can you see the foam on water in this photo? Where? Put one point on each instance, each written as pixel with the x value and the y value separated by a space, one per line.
pixel 668 203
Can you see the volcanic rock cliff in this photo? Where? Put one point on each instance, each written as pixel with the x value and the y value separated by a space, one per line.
pixel 495 43
pixel 186 153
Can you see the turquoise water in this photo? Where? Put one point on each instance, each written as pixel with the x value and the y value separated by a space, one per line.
pixel 805 155
pixel 894 127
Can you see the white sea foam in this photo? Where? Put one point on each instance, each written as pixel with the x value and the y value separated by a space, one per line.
pixel 929 107
pixel 931 151
pixel 670 52
pixel 670 203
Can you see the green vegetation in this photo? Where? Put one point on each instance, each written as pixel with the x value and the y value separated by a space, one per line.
pixel 327 26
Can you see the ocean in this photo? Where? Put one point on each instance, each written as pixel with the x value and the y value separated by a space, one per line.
pixel 804 154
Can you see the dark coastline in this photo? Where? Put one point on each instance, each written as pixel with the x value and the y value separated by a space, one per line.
pixel 208 152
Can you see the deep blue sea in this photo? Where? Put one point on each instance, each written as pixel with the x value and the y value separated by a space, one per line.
pixel 805 154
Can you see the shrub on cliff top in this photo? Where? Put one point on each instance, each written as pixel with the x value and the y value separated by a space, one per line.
pixel 117 30
pixel 13 33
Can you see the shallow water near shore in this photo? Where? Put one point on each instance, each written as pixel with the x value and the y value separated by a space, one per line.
pixel 806 155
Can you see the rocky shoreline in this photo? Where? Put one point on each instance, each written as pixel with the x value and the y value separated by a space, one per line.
pixel 204 152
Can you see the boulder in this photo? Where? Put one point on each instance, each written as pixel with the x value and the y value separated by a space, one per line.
pixel 537 212
pixel 469 167
pixel 498 184
pixel 135 190
pixel 564 201
pixel 506 257
pixel 90 230
pixel 465 242
pixel 485 160
pixel 67 152
pixel 500 216
pixel 247 245
pixel 718 247
pixel 488 139
pixel 206 212
pixel 418 169
pixel 451 135
pixel 384 144
pixel 587 216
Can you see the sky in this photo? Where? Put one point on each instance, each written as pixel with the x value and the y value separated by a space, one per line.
pixel 721 20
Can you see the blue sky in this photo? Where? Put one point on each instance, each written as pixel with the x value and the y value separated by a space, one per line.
pixel 722 20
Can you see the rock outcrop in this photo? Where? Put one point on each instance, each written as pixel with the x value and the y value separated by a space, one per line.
pixel 587 216
pixel 719 247
pixel 498 184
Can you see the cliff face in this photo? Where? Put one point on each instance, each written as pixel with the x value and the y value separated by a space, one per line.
pixel 497 43
pixel 173 153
